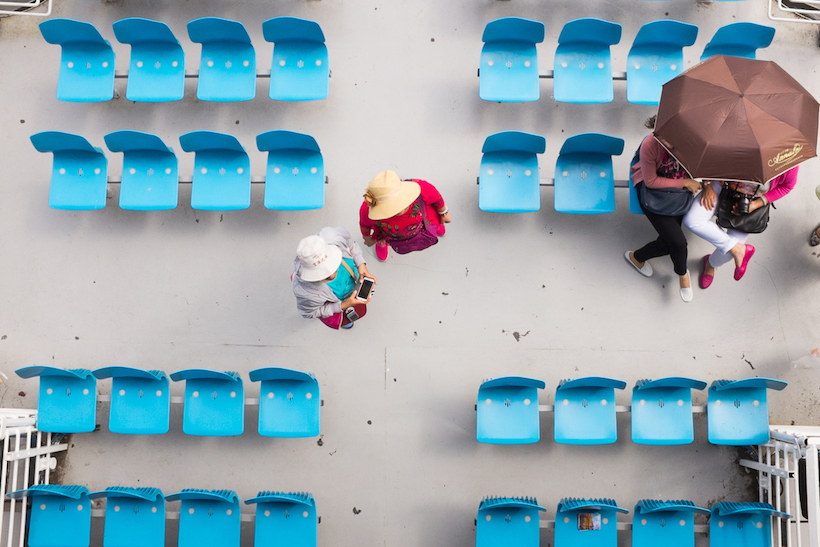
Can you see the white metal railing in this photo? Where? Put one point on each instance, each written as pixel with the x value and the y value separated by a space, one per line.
pixel 25 7
pixel 779 479
pixel 811 15
pixel 27 460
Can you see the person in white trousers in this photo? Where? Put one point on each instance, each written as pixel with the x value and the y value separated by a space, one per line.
pixel 730 244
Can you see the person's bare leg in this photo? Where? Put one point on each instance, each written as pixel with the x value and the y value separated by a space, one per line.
pixel 637 264
pixel 685 282
pixel 737 252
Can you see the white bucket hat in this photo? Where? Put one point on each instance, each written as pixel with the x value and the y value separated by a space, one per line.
pixel 318 259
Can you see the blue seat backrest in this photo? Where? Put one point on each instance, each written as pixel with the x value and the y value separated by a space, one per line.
pixel 197 141
pixel 134 517
pixel 285 140
pixel 59 141
pixel 591 30
pixel 514 29
pixel 739 39
pixel 517 141
pixel 126 141
pixel 596 143
pixel 216 29
pixel 70 31
pixel 284 518
pixel 666 32
pixel 136 30
pixel 283 29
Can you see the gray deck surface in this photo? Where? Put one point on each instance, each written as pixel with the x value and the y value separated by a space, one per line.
pixel 542 294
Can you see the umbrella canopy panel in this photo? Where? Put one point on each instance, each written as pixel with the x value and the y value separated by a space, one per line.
pixel 731 118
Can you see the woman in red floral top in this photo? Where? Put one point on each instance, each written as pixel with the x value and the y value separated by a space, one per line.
pixel 406 215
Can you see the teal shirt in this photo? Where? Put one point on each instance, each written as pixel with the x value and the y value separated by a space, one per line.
pixel 344 284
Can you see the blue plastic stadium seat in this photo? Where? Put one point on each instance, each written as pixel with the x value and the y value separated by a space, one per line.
pixel 299 70
pixel 587 523
pixel 295 177
pixel 289 402
pixel 584 179
pixel 67 401
pixel 739 40
pixel 742 524
pixel 222 171
pixel 503 522
pixel 655 58
pixel 79 176
pixel 208 518
pixel 87 62
pixel 140 400
pixel 585 411
pixel 507 411
pixel 150 178
pixel 509 60
pixel 134 517
pixel 214 402
pixel 227 67
pixel 60 515
pixel 738 412
pixel 284 519
pixel 157 69
pixel 662 411
pixel 509 181
pixel 583 63
pixel 666 523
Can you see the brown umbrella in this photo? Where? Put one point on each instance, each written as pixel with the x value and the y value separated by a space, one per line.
pixel 732 118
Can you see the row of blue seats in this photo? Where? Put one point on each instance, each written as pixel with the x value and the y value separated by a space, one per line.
pixel 295 176
pixel 583 67
pixel 61 515
pixel 214 403
pixel 737 412
pixel 227 69
pixel 505 521
pixel 509 182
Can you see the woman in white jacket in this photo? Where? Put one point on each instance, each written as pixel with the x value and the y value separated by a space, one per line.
pixel 327 270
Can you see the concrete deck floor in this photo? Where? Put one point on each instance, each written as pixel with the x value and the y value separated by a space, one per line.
pixel 542 294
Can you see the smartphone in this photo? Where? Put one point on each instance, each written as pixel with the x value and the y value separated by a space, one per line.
pixel 365 289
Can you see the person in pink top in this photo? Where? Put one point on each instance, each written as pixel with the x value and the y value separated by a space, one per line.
pixel 656 168
pixel 731 244
pixel 407 215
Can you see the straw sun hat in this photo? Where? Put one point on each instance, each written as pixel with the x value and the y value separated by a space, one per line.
pixel 387 195
pixel 318 259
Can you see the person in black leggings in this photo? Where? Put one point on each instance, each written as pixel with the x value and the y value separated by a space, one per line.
pixel 658 169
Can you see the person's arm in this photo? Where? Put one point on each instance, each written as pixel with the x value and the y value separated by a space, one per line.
pixel 368 227
pixel 781 185
pixel 651 158
pixel 431 195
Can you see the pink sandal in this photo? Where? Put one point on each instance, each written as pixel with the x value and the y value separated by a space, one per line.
pixel 705 280
pixel 741 270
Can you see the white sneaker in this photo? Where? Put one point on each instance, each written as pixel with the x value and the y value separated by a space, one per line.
pixel 645 271
pixel 686 293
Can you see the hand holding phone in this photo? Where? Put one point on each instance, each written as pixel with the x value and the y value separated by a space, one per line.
pixel 365 288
